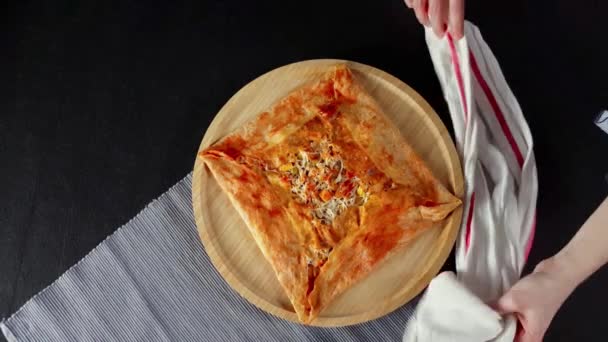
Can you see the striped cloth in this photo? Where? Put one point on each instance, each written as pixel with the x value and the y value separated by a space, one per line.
pixel 496 147
pixel 152 281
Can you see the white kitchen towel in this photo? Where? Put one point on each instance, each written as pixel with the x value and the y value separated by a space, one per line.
pixel 495 146
pixel 451 312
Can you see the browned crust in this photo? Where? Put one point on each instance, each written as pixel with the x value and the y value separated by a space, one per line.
pixel 262 210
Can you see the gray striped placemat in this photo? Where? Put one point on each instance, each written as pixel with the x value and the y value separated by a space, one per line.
pixel 152 281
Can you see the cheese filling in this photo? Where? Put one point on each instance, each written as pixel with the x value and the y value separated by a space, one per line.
pixel 319 179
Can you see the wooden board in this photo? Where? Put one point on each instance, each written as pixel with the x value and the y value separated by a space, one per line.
pixel 235 254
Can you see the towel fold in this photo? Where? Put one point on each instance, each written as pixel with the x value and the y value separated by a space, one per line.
pixel 451 312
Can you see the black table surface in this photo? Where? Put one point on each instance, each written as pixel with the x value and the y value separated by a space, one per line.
pixel 112 99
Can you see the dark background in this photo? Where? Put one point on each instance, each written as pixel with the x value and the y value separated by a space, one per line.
pixel 103 106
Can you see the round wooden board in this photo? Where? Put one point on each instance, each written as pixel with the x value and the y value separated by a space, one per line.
pixel 236 255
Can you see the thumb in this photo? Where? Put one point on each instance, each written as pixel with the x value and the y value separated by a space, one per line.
pixel 506 304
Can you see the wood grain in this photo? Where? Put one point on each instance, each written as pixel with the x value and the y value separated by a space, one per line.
pixel 235 254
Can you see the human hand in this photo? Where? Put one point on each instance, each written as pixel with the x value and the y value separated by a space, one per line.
pixel 536 298
pixel 443 15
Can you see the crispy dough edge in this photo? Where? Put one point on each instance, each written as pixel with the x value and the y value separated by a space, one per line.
pixel 285 117
pixel 272 235
pixel 377 134
pixel 347 266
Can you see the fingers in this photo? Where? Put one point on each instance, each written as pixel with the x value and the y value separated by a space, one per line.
pixel 438 13
pixel 441 15
pixel 421 8
pixel 527 325
pixel 456 19
pixel 506 304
